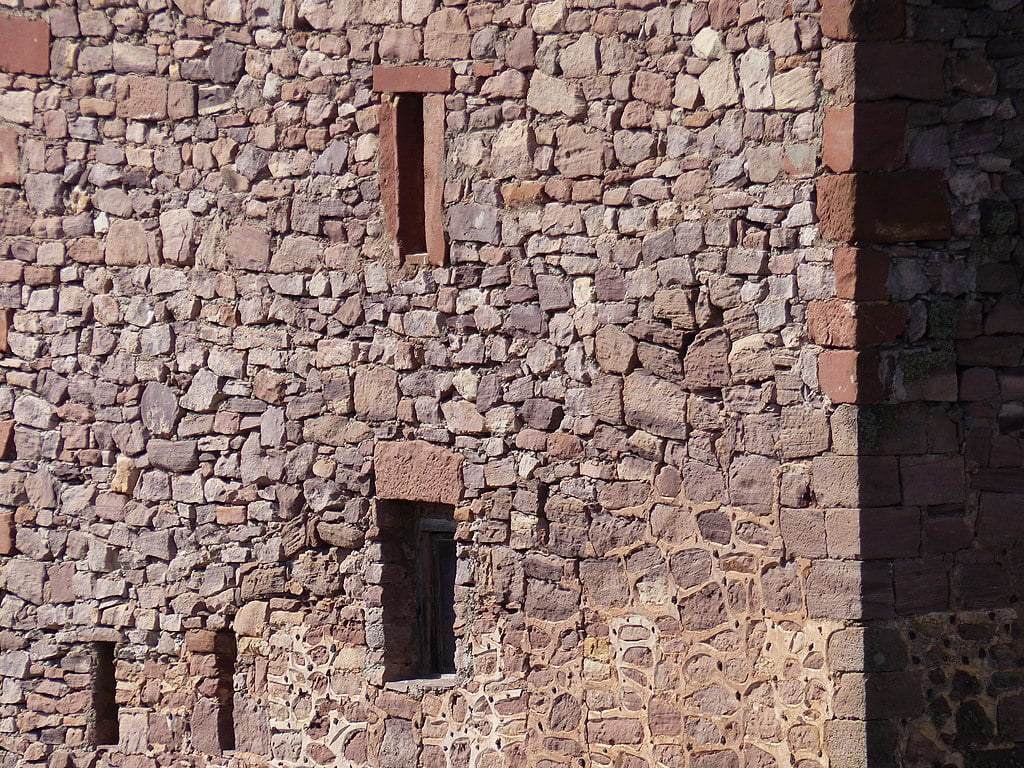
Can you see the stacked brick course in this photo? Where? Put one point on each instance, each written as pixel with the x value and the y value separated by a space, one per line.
pixel 673 355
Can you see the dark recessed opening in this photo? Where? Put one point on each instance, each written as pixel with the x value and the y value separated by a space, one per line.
pixel 412 233
pixel 227 655
pixel 104 694
pixel 420 561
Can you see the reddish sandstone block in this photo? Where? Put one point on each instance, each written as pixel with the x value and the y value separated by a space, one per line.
pixel 415 470
pixel 920 586
pixel 7 533
pixel 864 137
pixel 839 323
pixel 181 100
pixel 6 320
pixel 881 533
pixel 849 590
pixel 873 71
pixel 862 19
pixel 850 376
pixel 9 157
pixel 933 479
pixel 24 45
pixel 142 98
pixel 7 439
pixel 862 274
pixel 413 79
pixel 433 179
pixel 884 207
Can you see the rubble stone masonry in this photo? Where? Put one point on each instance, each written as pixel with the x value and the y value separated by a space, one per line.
pixel 714 348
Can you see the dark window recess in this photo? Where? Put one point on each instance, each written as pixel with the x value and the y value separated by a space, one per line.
pixel 412 230
pixel 104 694
pixel 226 659
pixel 419 550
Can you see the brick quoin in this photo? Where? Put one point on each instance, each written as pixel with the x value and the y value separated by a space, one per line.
pixel 24 45
pixel 864 137
pixel 850 376
pixel 884 207
pixel 847 324
pixel 861 274
pixel 862 19
pixel 873 71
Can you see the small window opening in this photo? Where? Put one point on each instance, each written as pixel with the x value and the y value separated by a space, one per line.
pixel 104 694
pixel 226 651
pixel 412 231
pixel 419 551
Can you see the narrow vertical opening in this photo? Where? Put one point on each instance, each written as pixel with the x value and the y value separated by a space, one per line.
pixel 227 658
pixel 418 589
pixel 436 587
pixel 104 694
pixel 412 232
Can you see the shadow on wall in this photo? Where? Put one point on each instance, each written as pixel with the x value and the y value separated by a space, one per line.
pixel 941 466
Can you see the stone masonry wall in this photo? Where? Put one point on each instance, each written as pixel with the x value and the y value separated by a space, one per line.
pixel 214 366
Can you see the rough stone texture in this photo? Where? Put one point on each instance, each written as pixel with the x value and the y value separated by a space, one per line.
pixel 24 45
pixel 695 439
pixel 417 471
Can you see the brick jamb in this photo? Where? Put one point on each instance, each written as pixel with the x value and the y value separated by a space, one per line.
pixel 433 83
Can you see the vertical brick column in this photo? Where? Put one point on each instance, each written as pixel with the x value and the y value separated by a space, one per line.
pixel 870 197
pixel 867 201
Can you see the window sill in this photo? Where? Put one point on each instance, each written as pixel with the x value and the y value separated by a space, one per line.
pixel 419 684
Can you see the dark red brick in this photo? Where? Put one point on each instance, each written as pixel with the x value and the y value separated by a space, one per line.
pixel 850 376
pixel 24 45
pixel 862 19
pixel 864 137
pixel 413 79
pixel 884 207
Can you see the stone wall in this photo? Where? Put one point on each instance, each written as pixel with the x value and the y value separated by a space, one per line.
pixel 214 366
pixel 951 628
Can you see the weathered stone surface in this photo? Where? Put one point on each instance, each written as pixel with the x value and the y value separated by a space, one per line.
pixel 177 232
pixel 417 471
pixel 24 45
pixel 551 95
pixel 128 244
pixel 175 456
pixel 248 248
pixel 10 158
pixel 718 84
pixel 654 405
pixel 375 393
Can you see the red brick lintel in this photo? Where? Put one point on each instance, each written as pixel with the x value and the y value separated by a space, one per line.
pixel 413 79
pixel 24 45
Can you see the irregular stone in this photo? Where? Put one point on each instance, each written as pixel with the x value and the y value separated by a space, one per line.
pixel 654 405
pixel 174 456
pixel 718 84
pixel 248 248
pixel 551 95
pixel 177 230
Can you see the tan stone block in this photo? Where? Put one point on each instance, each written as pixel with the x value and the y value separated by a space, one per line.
pixel 9 155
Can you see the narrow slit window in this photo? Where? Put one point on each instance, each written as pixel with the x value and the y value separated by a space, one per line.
pixel 436 587
pixel 412 159
pixel 412 233
pixel 227 658
pixel 418 589
pixel 104 694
